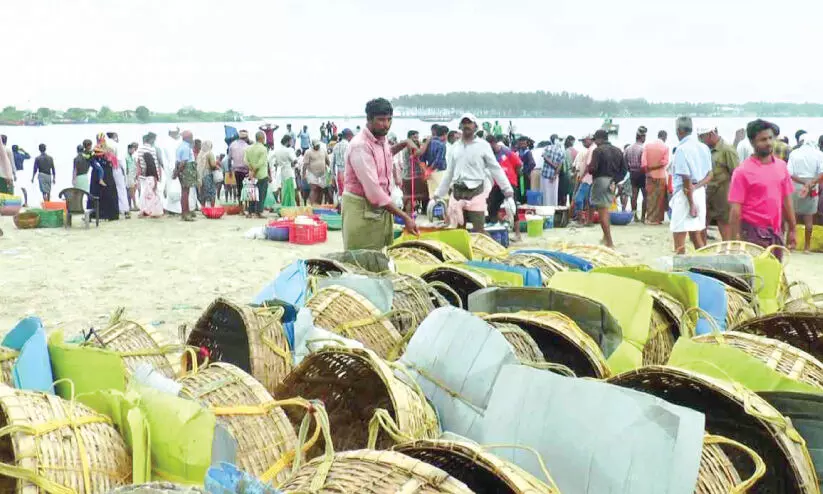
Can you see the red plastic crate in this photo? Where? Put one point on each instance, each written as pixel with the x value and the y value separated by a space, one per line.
pixel 308 234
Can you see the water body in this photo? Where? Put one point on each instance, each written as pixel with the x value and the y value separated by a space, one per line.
pixel 62 140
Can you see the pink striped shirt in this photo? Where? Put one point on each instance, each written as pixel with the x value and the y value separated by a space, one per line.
pixel 368 168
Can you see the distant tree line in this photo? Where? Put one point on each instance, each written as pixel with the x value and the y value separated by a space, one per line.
pixel 141 114
pixel 564 104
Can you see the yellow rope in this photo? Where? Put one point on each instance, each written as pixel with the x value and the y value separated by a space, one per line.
pixel 549 479
pixel 440 384
pixel 383 420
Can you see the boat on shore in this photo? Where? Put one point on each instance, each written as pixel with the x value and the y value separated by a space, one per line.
pixel 438 118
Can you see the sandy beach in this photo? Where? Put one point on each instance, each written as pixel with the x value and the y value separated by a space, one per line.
pixel 166 272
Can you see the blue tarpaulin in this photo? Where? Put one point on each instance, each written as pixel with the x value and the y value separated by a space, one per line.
pixel 531 276
pixel 711 297
pixel 32 370
pixel 561 257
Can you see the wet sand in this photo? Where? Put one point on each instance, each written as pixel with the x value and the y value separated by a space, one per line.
pixel 166 272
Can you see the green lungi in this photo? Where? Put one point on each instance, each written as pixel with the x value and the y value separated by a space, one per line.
pixel 364 226
pixel 287 197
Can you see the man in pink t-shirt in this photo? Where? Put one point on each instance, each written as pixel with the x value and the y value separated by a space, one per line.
pixel 760 193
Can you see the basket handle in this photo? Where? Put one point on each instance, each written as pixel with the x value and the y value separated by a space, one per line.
pixel 685 321
pixel 786 253
pixel 759 464
pixel 450 290
pixel 554 367
pixel 549 480
pixel 190 355
pixel 805 293
pixel 382 419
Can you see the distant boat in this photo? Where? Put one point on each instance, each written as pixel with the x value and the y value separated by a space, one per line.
pixel 609 127
pixel 438 118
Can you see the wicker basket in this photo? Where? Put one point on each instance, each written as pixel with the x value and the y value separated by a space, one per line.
pixel 734 412
pixel 26 220
pixel 372 472
pixel 801 330
pixel 319 266
pixel 252 339
pixel 664 327
pixel 560 341
pixel 485 247
pixel 343 311
pixel 136 345
pixel 412 301
pixel 413 254
pixel 8 358
pixel 456 283
pixel 442 251
pixel 355 385
pixel 598 255
pixel 547 266
pixel 717 474
pixel 480 470
pixel 261 428
pixel 48 444
pixel 778 356
pixel 738 309
pixel 159 488
pixel 521 342
pixel 738 247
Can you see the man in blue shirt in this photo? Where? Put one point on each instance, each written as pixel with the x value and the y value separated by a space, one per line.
pixel 20 156
pixel 691 172
pixel 435 157
pixel 305 139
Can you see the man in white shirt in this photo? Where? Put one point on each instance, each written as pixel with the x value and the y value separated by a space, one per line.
pixel 286 159
pixel 806 169
pixel 691 172
pixel 467 164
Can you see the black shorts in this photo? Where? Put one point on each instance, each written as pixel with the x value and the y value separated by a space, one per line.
pixel 638 180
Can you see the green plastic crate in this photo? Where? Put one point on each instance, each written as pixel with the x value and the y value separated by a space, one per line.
pixel 49 219
pixel 334 221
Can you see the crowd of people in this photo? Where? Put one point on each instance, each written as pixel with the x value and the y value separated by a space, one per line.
pixel 755 189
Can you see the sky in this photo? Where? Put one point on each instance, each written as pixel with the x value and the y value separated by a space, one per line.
pixel 328 57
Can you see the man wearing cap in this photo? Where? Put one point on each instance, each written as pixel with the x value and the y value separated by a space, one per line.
pixel 654 161
pixel 608 167
pixel 761 192
pixel 338 160
pixel 553 156
pixel 368 202
pixel 691 172
pixel 186 172
pixel 724 161
pixel 634 160
pixel 468 163
pixel 806 169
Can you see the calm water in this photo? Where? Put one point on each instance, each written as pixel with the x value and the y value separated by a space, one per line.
pixel 62 140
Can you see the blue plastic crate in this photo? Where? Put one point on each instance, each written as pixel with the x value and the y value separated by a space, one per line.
pixel 534 198
pixel 500 235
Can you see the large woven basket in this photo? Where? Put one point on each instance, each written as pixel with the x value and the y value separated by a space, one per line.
pixel 598 255
pixel 343 311
pixel 808 303
pixel 560 341
pixel 372 472
pixel 801 330
pixel 480 470
pixel 26 220
pixel 456 283
pixel 159 488
pixel 8 358
pixel 717 474
pixel 318 266
pixel 413 254
pixel 412 301
pixel 664 327
pixel 485 247
pixel 735 412
pixel 547 266
pixel 521 342
pixel 252 339
pixel 442 251
pixel 136 345
pixel 781 357
pixel 739 247
pixel 50 445
pixel 263 432
pixel 355 385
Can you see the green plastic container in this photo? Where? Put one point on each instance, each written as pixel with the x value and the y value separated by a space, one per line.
pixel 334 221
pixel 49 219
pixel 535 227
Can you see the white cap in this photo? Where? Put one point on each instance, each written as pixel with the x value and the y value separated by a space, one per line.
pixel 470 117
pixel 706 129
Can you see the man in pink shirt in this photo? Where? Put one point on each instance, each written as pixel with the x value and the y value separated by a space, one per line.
pixel 368 208
pixel 654 161
pixel 760 193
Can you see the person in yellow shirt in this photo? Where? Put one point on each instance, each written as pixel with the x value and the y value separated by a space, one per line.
pixel 256 156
